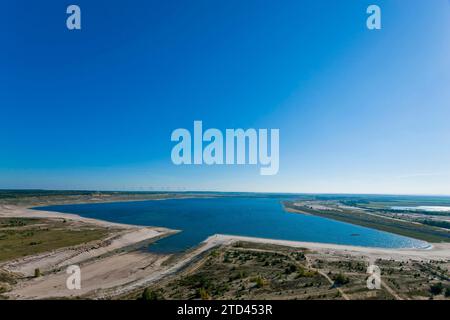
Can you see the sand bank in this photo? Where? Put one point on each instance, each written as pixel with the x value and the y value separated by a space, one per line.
pixel 122 236
pixel 438 251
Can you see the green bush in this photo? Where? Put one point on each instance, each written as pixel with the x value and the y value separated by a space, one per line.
pixel 340 279
pixel 149 294
pixel 447 292
pixel 203 293
pixel 37 273
pixel 259 281
pixel 436 288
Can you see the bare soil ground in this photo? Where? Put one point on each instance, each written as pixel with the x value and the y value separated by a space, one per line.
pixel 256 270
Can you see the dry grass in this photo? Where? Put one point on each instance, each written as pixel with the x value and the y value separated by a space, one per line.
pixel 21 237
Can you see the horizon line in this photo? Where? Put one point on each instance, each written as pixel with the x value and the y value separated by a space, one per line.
pixel 219 191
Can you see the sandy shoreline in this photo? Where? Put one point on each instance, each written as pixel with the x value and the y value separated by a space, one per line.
pixel 9 211
pixel 105 263
pixel 122 236
pixel 438 251
pixel 109 272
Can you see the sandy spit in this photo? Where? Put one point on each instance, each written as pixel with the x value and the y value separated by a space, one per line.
pixel 438 251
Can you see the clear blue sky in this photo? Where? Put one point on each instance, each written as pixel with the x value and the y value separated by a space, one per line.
pixel 359 111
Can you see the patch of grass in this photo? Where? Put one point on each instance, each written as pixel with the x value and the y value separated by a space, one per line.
pixel 25 239
pixel 17 222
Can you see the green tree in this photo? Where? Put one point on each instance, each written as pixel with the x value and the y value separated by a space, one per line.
pixel 436 288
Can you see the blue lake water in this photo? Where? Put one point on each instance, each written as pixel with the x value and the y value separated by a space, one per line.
pixel 199 218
